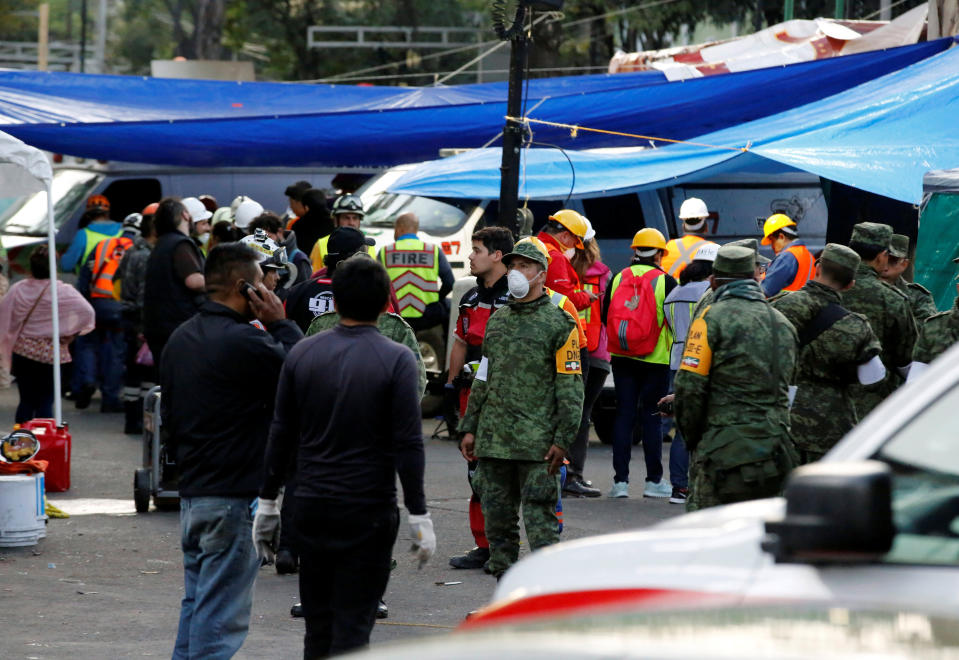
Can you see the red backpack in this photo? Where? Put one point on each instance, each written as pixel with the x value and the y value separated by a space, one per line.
pixel 632 325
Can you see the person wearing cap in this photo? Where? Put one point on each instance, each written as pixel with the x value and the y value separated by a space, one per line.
pixel 793 265
pixel 270 223
pixel 174 286
pixel 315 222
pixel 563 233
pixel 347 212
pixel 294 193
pixel 887 309
pixel 95 226
pixel 937 335
pixel 681 251
pixel 200 230
pixel 640 380
pixel 836 349
pixel 731 399
pixel 678 307
pixel 420 273
pixel 761 263
pixel 920 298
pixel 524 409
pixel 130 280
pixel 347 411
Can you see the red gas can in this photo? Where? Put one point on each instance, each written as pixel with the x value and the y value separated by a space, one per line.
pixel 54 448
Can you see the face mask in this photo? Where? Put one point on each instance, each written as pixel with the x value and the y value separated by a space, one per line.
pixel 204 238
pixel 570 253
pixel 518 284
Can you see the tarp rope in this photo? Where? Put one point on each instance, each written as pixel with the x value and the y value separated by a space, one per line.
pixel 575 129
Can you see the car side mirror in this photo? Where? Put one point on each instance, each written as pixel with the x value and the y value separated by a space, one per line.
pixel 835 512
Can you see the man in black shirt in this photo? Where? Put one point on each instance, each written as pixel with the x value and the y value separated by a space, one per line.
pixel 348 405
pixel 218 375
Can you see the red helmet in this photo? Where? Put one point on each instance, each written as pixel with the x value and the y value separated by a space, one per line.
pixel 150 209
pixel 98 202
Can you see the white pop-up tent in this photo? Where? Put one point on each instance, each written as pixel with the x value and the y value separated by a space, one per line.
pixel 24 169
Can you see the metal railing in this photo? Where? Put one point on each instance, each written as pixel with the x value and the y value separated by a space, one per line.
pixel 366 36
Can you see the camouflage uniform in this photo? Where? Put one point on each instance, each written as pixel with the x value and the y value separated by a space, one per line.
pixel 732 403
pixel 889 314
pixel 390 325
pixel 920 299
pixel 823 411
pixel 938 334
pixel 707 299
pixel 527 395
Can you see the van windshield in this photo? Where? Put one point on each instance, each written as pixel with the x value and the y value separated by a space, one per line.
pixel 438 217
pixel 27 215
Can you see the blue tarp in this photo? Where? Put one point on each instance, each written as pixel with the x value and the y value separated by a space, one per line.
pixel 881 136
pixel 210 123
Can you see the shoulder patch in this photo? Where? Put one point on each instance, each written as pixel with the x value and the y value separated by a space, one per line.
pixel 568 357
pixel 698 356
pixel 918 287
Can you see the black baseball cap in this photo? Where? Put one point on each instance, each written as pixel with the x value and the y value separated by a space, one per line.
pixel 347 240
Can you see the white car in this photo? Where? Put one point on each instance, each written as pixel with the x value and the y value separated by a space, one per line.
pixel 875 523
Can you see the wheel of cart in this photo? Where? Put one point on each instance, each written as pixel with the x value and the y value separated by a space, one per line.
pixel 156 478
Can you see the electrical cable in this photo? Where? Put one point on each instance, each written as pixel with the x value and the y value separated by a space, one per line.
pixel 572 167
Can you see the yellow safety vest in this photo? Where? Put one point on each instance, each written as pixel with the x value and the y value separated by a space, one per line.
pixel 93 239
pixel 414 269
pixel 321 249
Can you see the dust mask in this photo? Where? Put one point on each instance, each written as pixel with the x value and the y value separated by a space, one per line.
pixel 569 252
pixel 518 284
pixel 204 238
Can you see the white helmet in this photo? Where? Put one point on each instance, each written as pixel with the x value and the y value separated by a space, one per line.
pixel 707 252
pixel 245 212
pixel 271 255
pixel 196 209
pixel 590 232
pixel 693 209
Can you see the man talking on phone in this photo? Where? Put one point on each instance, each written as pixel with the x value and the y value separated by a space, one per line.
pixel 218 375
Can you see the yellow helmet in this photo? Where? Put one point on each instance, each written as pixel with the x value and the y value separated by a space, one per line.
pixel 538 244
pixel 774 223
pixel 574 222
pixel 649 238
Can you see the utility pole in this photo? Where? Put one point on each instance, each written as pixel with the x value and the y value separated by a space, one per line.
pixel 101 46
pixel 513 130
pixel 43 37
pixel 83 35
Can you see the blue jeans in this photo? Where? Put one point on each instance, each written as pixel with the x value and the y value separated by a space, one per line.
pixel 219 568
pixel 639 387
pixel 678 454
pixel 102 353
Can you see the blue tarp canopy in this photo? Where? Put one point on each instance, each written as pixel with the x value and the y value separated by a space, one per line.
pixel 210 123
pixel 881 136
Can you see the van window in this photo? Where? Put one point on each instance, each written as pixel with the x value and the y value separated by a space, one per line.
pixel 131 195
pixel 616 216
pixel 924 456
pixel 438 217
pixel 27 215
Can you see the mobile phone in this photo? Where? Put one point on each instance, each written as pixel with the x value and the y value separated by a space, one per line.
pixel 248 290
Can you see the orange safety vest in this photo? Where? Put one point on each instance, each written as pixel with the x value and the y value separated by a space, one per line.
pixel 106 260
pixel 806 267
pixel 680 253
pixel 591 317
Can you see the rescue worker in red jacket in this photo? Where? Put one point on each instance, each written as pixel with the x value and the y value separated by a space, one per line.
pixel 794 264
pixel 563 233
pixel 475 307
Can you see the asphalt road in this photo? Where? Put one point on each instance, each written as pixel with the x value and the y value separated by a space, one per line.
pixel 106 582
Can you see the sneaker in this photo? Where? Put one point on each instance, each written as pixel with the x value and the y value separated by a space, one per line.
pixel 382 611
pixel 620 489
pixel 659 489
pixel 577 488
pixel 475 558
pixel 297 611
pixel 679 495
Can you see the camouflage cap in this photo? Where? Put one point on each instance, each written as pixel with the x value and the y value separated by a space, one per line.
pixel 734 260
pixel 899 246
pixel 871 233
pixel 752 244
pixel 528 250
pixel 840 255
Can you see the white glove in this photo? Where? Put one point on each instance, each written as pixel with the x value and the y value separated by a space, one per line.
pixel 424 540
pixel 266 530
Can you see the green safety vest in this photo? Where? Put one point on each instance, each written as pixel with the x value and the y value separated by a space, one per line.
pixel 414 270
pixel 660 354
pixel 93 239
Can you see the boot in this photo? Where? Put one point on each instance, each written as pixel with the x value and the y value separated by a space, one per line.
pixel 133 422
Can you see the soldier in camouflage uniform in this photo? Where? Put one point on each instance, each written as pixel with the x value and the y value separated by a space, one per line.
pixel 523 410
pixel 920 299
pixel 732 403
pixel 833 344
pixel 887 309
pixel 938 334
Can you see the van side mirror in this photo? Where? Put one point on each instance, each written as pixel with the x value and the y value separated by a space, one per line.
pixel 835 512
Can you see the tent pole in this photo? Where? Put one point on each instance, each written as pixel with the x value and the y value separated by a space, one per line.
pixel 788 10
pixel 55 304
pixel 840 9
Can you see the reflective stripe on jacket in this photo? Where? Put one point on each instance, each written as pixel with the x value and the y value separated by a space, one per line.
pixel 680 253
pixel 414 269
pixel 106 259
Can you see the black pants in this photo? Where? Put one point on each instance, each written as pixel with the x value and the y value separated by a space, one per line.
pixel 35 382
pixel 345 551
pixel 593 380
